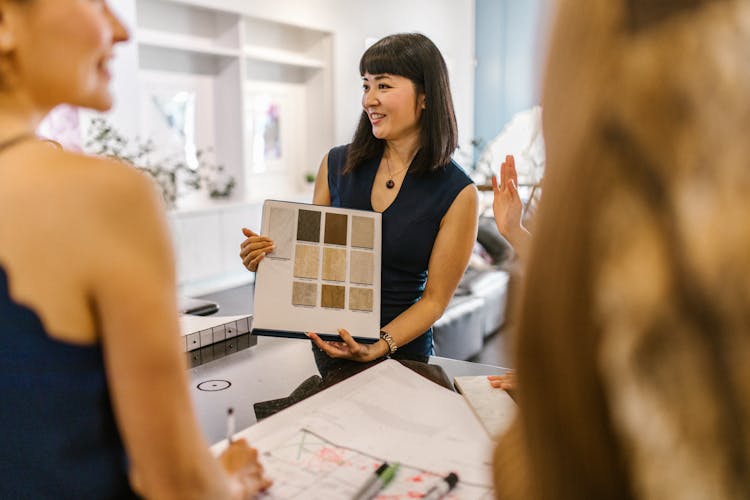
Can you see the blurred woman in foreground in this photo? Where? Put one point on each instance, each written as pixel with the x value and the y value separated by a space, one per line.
pixel 634 333
pixel 93 385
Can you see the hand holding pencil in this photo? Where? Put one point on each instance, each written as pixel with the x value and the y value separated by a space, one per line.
pixel 240 462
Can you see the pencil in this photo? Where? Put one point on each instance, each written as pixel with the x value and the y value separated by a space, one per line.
pixel 230 425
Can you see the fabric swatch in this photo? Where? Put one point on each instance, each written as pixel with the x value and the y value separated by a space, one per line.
pixel 306 259
pixel 361 267
pixel 363 232
pixel 281 231
pixel 334 264
pixel 360 299
pixel 308 226
pixel 332 296
pixel 304 294
pixel 336 229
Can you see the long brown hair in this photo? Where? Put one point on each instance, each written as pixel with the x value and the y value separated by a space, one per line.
pixel 413 56
pixel 622 323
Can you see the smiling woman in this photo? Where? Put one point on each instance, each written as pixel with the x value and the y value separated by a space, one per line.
pixel 93 385
pixel 399 163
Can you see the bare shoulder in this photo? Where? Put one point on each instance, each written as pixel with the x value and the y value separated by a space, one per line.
pixel 102 198
pixel 118 181
pixel 108 188
pixel 464 211
pixel 322 195
pixel 467 200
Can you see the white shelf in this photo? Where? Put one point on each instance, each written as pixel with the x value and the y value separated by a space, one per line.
pixel 187 43
pixel 280 56
pixel 224 59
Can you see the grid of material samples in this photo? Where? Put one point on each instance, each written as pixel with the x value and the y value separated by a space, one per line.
pixel 324 272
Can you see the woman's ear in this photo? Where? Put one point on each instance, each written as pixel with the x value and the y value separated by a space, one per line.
pixel 6 34
pixel 8 18
pixel 423 101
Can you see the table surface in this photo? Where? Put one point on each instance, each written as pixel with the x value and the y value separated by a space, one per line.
pixel 271 369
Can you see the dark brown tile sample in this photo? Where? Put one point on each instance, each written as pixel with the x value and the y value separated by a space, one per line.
pixel 335 229
pixel 308 225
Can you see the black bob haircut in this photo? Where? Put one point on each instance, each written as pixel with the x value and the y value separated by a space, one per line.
pixel 413 56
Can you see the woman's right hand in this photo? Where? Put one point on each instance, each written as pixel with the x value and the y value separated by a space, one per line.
pixel 245 472
pixel 254 248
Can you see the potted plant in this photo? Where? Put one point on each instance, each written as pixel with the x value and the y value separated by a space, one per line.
pixel 169 172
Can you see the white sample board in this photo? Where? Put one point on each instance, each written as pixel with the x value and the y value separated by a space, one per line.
pixel 323 275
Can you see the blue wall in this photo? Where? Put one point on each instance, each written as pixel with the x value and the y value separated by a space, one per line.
pixel 509 53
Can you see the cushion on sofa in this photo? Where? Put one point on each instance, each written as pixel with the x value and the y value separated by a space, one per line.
pixel 493 242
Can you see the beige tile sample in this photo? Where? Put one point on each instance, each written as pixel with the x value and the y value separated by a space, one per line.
pixel 361 267
pixel 306 259
pixel 360 299
pixel 332 296
pixel 304 294
pixel 334 264
pixel 363 232
pixel 281 231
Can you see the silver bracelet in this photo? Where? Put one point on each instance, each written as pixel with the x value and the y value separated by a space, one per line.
pixel 389 340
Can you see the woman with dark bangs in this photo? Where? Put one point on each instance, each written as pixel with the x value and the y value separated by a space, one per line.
pixel 399 164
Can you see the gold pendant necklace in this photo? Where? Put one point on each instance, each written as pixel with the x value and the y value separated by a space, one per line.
pixel 390 183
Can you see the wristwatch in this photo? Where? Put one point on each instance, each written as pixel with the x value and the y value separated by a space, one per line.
pixel 389 340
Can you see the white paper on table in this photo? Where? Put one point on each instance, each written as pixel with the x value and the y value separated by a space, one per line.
pixel 392 413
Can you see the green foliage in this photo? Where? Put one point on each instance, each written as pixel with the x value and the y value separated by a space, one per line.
pixel 168 173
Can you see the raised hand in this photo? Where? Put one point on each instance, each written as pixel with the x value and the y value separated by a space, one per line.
pixel 507 206
pixel 254 248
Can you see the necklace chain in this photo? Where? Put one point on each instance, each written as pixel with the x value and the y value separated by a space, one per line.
pixel 390 182
pixel 9 143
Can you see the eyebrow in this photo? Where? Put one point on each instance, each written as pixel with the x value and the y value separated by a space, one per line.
pixel 378 77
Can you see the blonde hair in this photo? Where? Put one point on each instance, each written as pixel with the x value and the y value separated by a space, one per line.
pixel 633 334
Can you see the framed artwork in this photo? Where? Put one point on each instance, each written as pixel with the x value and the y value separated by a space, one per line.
pixel 275 134
pixel 169 114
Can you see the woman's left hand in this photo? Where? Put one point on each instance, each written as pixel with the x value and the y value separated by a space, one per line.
pixel 349 348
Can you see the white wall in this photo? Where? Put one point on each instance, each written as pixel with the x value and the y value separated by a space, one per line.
pixel 207 242
pixel 449 23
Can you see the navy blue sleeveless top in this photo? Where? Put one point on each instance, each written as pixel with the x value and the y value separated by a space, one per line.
pixel 410 227
pixel 59 438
